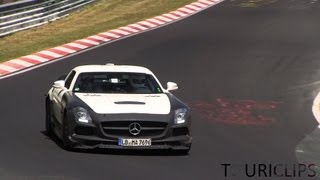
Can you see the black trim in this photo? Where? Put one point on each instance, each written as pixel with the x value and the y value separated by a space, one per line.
pixel 176 103
pixel 69 78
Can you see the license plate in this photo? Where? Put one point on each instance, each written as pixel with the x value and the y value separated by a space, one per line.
pixel 134 142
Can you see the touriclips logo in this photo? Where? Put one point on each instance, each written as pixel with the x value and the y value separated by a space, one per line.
pixel 269 170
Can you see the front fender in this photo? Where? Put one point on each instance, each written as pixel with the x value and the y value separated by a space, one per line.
pixel 49 95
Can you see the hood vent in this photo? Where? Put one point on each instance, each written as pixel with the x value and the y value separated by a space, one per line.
pixel 130 102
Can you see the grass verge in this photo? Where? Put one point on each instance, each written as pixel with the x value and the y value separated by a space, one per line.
pixel 101 16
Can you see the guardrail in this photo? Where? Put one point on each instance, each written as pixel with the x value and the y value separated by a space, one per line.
pixel 17 5
pixel 35 13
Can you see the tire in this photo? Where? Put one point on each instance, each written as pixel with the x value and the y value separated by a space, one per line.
pixel 66 142
pixel 49 130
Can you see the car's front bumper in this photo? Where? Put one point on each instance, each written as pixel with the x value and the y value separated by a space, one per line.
pixel 176 137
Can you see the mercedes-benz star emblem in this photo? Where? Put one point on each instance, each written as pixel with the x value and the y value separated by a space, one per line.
pixel 134 128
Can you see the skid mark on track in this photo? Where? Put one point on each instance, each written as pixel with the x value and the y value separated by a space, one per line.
pixel 236 112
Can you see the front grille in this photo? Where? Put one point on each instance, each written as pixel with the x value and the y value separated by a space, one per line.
pixel 121 128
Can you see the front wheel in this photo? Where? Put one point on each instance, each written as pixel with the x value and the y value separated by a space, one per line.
pixel 66 142
pixel 49 130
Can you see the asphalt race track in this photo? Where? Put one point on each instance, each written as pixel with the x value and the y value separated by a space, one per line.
pixel 248 69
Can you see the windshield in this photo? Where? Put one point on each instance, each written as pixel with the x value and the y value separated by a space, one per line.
pixel 133 83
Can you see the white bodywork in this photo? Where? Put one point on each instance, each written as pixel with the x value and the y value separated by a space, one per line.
pixel 109 103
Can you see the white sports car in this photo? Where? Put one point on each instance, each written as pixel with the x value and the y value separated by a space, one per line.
pixel 117 106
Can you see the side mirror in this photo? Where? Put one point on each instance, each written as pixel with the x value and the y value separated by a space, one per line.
pixel 58 84
pixel 171 86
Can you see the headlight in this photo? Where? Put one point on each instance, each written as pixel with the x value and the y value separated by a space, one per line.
pixel 180 116
pixel 82 115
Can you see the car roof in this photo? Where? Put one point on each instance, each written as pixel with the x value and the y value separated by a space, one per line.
pixel 112 68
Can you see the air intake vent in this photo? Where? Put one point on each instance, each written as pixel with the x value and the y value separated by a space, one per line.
pixel 130 102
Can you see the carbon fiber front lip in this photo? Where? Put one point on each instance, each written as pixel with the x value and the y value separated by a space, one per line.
pixel 155 147
pixel 83 141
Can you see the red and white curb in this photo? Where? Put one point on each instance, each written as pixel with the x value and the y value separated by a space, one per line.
pixel 42 57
